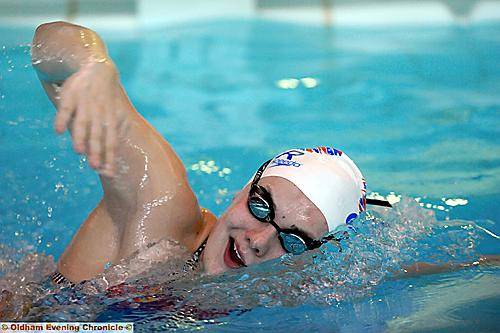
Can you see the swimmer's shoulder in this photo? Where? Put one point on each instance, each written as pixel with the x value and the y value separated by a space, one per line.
pixel 208 217
pixel 208 220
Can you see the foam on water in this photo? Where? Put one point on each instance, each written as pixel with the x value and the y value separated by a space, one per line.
pixel 385 242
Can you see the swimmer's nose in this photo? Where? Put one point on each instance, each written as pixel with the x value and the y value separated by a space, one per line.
pixel 261 239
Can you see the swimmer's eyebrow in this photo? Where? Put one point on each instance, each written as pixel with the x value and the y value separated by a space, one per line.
pixel 293 226
pixel 300 231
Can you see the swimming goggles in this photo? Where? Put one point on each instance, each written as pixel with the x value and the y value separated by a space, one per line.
pixel 261 206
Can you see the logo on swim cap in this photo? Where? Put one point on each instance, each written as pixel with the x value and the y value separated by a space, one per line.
pixel 290 154
pixel 327 177
pixel 324 150
pixel 351 217
pixel 362 200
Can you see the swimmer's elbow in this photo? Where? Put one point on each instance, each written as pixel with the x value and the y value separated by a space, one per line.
pixel 59 48
pixel 57 33
pixel 49 30
pixel 55 27
pixel 42 28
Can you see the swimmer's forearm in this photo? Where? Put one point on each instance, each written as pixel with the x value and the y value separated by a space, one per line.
pixel 422 268
pixel 60 49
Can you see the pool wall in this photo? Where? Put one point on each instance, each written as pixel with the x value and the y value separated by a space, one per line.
pixel 119 14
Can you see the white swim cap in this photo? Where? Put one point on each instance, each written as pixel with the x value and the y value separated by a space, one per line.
pixel 328 177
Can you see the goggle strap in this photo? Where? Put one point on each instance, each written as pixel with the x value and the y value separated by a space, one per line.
pixel 377 202
pixel 259 172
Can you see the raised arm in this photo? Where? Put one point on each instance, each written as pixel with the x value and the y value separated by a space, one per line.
pixel 146 193
pixel 66 58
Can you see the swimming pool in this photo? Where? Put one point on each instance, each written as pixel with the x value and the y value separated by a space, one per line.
pixel 416 108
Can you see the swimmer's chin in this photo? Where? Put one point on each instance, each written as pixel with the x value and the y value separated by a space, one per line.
pixel 214 272
pixel 230 259
pixel 213 268
pixel 218 270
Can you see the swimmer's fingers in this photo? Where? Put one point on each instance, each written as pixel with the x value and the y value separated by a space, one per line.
pixel 80 126
pixel 66 107
pixel 110 145
pixel 95 139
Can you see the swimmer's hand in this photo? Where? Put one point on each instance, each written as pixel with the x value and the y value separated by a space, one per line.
pixel 89 106
pixel 81 80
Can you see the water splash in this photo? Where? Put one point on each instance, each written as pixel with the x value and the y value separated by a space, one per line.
pixel 386 241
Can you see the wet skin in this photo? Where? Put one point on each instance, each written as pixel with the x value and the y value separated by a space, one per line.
pixel 239 239
pixel 147 196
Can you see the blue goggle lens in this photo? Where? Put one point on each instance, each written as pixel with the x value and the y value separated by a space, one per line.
pixel 260 209
pixel 293 243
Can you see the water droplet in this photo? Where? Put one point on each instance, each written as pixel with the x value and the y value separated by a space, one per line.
pixel 58 186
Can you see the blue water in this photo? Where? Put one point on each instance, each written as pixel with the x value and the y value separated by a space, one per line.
pixel 417 109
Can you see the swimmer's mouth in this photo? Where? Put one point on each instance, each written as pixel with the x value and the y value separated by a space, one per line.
pixel 232 257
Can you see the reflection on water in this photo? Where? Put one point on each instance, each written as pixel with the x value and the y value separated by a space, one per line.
pixel 444 305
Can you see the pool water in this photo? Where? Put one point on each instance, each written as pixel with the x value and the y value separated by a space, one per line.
pixel 416 108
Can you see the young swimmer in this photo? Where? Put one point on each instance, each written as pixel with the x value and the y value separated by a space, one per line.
pixel 294 200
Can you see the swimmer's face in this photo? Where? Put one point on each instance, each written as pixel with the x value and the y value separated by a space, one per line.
pixel 238 238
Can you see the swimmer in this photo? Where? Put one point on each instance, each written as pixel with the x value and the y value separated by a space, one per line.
pixel 295 202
